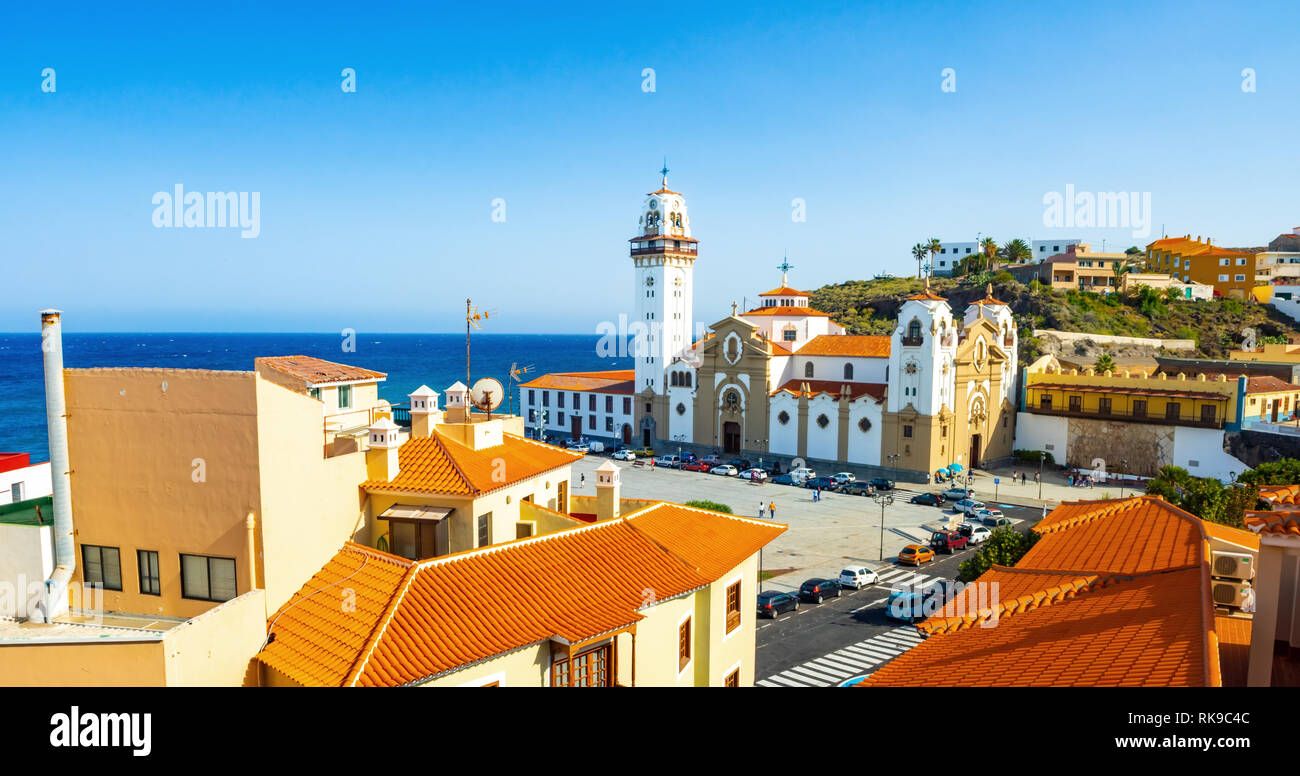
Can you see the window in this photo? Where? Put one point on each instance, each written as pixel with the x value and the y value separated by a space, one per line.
pixel 681 408
pixel 577 402
pixel 686 379
pixel 864 425
pixel 647 406
pixel 784 417
pixel 684 644
pixel 591 402
pixel 591 422
pixel 101 566
pixel 532 416
pixel 733 607
pixel 147 560
pixel 1076 403
pixel 314 393
pixel 16 492
pixel 1173 410
pixel 587 669
pixel 609 424
pixel 207 579
pixel 1223 278
pixel 1238 278
pixel 414 539
pixel 914 332
pixel 546 398
pixel 733 678
pixel 561 422
pixel 808 369
pixel 848 371
pixel 484 535
pixel 1045 401
pixel 1207 413
pixel 907 432
pixel 1140 408
pixel 823 421
pixel 531 399
pixel 559 400
pixel 1103 405
pixel 789 334
pixel 627 406
pixel 345 397
pixel 609 403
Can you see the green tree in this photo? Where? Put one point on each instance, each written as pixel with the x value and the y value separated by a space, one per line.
pixel 988 252
pixel 918 253
pixel 1104 364
pixel 710 505
pixel 1282 472
pixel 1016 252
pixel 1005 547
pixel 934 245
pixel 1205 497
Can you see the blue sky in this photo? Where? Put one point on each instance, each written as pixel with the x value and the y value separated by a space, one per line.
pixel 376 205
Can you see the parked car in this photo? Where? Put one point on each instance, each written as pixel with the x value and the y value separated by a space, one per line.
pixel 843 478
pixel 957 494
pixel 577 447
pixel 974 533
pixel 802 473
pixel 784 479
pixel 856 488
pixel 712 460
pixel 816 590
pixel 996 522
pixel 624 455
pixel 666 461
pixel 756 475
pixel 772 468
pixel 645 452
pixel 725 469
pixel 948 541
pixel 880 483
pixel 596 447
pixel 825 483
pixel 928 499
pixel 858 577
pixel 969 506
pixel 915 555
pixel 696 466
pixel 771 603
pixel 987 512
pixel 741 464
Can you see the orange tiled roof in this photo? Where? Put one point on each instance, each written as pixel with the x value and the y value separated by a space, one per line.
pixel 1269 384
pixel 785 291
pixel 833 387
pixel 787 310
pixel 316 371
pixel 1114 592
pixel 1279 494
pixel 439 464
pixel 611 381
pixel 1184 246
pixel 445 613
pixel 855 345
pixel 928 296
pixel 1234 648
pixel 1280 523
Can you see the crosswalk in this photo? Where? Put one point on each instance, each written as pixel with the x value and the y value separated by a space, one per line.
pixel 864 657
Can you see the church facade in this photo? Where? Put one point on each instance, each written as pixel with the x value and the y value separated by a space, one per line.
pixel 782 381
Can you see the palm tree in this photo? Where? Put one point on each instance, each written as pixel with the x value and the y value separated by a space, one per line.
pixel 989 247
pixel 918 253
pixel 1016 251
pixel 934 246
pixel 1120 268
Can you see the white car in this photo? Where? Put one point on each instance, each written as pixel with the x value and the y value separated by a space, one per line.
pixel 624 455
pixel 978 533
pixel 844 478
pixel 984 514
pixel 858 577
pixel 802 473
pixel 578 447
pixel 726 470
pixel 969 506
pixel 665 461
pixel 754 474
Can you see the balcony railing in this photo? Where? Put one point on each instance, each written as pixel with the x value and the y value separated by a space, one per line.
pixel 1127 417
pixel 686 248
pixel 912 342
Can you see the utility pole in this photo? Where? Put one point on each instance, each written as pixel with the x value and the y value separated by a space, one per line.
pixel 883 500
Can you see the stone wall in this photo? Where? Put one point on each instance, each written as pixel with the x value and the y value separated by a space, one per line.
pixel 1146 447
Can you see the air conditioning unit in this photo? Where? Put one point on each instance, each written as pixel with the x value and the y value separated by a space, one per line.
pixel 1232 565
pixel 1233 594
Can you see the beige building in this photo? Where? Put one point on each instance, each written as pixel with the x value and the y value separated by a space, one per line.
pixel 1077 269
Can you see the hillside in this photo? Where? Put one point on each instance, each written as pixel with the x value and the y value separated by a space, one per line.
pixel 871 307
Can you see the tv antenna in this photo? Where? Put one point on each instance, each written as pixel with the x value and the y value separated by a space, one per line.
pixel 515 372
pixel 473 320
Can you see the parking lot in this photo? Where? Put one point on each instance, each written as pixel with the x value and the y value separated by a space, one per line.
pixel 823 537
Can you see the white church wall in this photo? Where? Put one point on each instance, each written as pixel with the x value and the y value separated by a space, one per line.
pixel 823 442
pixel 864 447
pixel 783 439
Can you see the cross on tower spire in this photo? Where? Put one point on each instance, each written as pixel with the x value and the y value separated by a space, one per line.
pixel 785 266
pixel 664 173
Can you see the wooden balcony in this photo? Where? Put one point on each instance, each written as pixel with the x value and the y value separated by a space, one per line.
pixel 1127 417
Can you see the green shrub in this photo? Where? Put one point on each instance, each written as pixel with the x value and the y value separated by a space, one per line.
pixel 710 505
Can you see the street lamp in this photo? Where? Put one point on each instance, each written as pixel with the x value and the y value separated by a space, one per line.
pixel 1041 455
pixel 1123 473
pixel 884 500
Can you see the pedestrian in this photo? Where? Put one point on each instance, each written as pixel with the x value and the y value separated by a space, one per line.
pixel 1070 480
pixel 652 464
pixel 1090 481
pixel 771 509
pixel 1022 478
pixel 760 510
pixel 1036 476
pixel 582 480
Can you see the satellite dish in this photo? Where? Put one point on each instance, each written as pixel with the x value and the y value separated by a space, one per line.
pixel 487 393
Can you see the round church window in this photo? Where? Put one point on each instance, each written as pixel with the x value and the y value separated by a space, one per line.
pixel 864 425
pixel 784 417
pixel 823 421
pixel 681 409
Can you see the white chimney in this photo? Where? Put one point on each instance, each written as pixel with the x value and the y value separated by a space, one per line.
pixel 382 462
pixel 608 490
pixel 425 415
pixel 54 600
pixel 458 407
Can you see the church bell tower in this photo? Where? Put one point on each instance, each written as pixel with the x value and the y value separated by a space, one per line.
pixel 663 256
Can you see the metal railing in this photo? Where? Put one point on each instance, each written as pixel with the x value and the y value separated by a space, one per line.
pixel 1130 417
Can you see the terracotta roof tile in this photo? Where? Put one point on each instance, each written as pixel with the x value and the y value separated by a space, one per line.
pixel 445 613
pixel 833 387
pixel 1279 494
pixel 611 381
pixel 439 464
pixel 1269 384
pixel 806 312
pixel 1114 592
pixel 785 291
pixel 1234 648
pixel 1280 523
pixel 316 371
pixel 852 345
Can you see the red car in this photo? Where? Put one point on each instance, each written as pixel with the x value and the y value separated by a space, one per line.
pixel 697 466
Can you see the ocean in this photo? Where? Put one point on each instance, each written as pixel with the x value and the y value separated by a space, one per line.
pixel 437 360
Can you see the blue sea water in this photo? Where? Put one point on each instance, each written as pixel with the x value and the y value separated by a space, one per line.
pixel 437 360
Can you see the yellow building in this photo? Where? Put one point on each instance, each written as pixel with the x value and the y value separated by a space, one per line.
pixel 1234 274
pixel 1134 422
pixel 662 596
pixel 1282 353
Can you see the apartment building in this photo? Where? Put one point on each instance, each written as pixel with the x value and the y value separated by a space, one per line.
pixel 1235 274
pixel 1078 268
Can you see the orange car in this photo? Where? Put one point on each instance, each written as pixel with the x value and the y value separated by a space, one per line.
pixel 915 555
